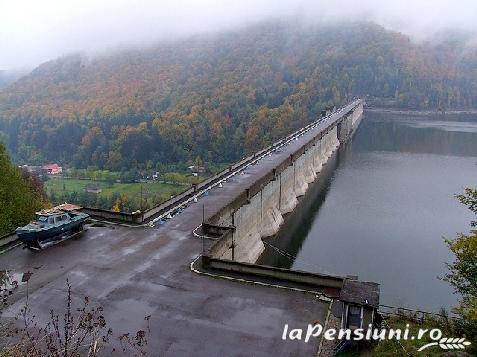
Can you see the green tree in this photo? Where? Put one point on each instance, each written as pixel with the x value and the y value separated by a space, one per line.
pixel 18 200
pixel 462 273
pixel 175 177
pixel 110 180
pixel 53 197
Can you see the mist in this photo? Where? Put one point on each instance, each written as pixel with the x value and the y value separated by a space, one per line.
pixel 32 32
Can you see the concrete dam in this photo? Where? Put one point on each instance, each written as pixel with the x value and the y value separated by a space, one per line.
pixel 257 213
pixel 190 263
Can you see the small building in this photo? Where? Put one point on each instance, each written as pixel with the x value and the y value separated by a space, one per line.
pixel 92 188
pixel 52 169
pixel 360 301
pixel 197 169
pixel 31 169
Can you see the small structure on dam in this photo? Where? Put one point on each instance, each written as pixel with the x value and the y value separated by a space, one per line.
pixel 359 304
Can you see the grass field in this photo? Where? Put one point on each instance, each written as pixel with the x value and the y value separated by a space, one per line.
pixel 59 185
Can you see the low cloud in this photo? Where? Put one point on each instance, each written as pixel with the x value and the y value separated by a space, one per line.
pixel 34 31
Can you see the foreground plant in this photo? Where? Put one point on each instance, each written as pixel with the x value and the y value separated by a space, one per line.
pixel 77 332
pixel 462 273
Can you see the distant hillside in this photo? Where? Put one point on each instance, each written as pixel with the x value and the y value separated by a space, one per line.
pixel 218 97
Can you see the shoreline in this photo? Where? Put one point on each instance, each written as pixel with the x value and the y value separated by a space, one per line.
pixel 420 112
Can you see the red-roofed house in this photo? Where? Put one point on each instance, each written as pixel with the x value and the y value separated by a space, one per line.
pixel 52 169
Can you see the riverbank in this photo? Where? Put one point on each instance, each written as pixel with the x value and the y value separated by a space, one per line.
pixel 420 112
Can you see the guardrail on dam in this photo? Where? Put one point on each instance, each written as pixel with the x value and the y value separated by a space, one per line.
pixel 258 211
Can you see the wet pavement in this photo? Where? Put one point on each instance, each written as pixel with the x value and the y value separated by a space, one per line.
pixel 135 272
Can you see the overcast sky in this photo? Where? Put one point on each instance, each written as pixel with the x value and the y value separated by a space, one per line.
pixel 34 31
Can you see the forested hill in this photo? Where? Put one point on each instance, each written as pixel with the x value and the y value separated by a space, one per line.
pixel 218 97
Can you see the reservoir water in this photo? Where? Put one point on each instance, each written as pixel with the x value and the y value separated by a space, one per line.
pixel 383 205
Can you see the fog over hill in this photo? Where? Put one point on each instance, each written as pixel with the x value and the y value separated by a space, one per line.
pixel 218 96
pixel 32 32
pixel 8 77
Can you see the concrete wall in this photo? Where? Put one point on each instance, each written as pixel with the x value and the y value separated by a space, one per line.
pixel 301 185
pixel 8 239
pixel 258 213
pixel 349 123
pixel 248 223
pixel 102 214
pixel 281 274
pixel 357 115
pixel 288 199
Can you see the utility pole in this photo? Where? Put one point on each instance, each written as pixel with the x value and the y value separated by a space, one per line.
pixel 141 197
pixel 233 247
pixel 203 219
pixel 233 243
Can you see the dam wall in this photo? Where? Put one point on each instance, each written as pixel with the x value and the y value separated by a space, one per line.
pixel 258 212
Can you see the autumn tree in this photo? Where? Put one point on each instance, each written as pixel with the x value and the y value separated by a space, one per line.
pixel 462 273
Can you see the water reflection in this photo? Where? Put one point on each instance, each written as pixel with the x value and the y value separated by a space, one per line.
pixel 382 206
pixel 417 135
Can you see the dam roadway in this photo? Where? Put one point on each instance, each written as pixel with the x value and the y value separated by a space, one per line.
pixel 141 271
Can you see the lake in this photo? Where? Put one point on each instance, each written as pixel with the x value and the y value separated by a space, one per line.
pixel 383 205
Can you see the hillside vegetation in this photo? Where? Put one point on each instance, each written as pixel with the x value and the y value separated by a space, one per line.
pixel 20 195
pixel 218 97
